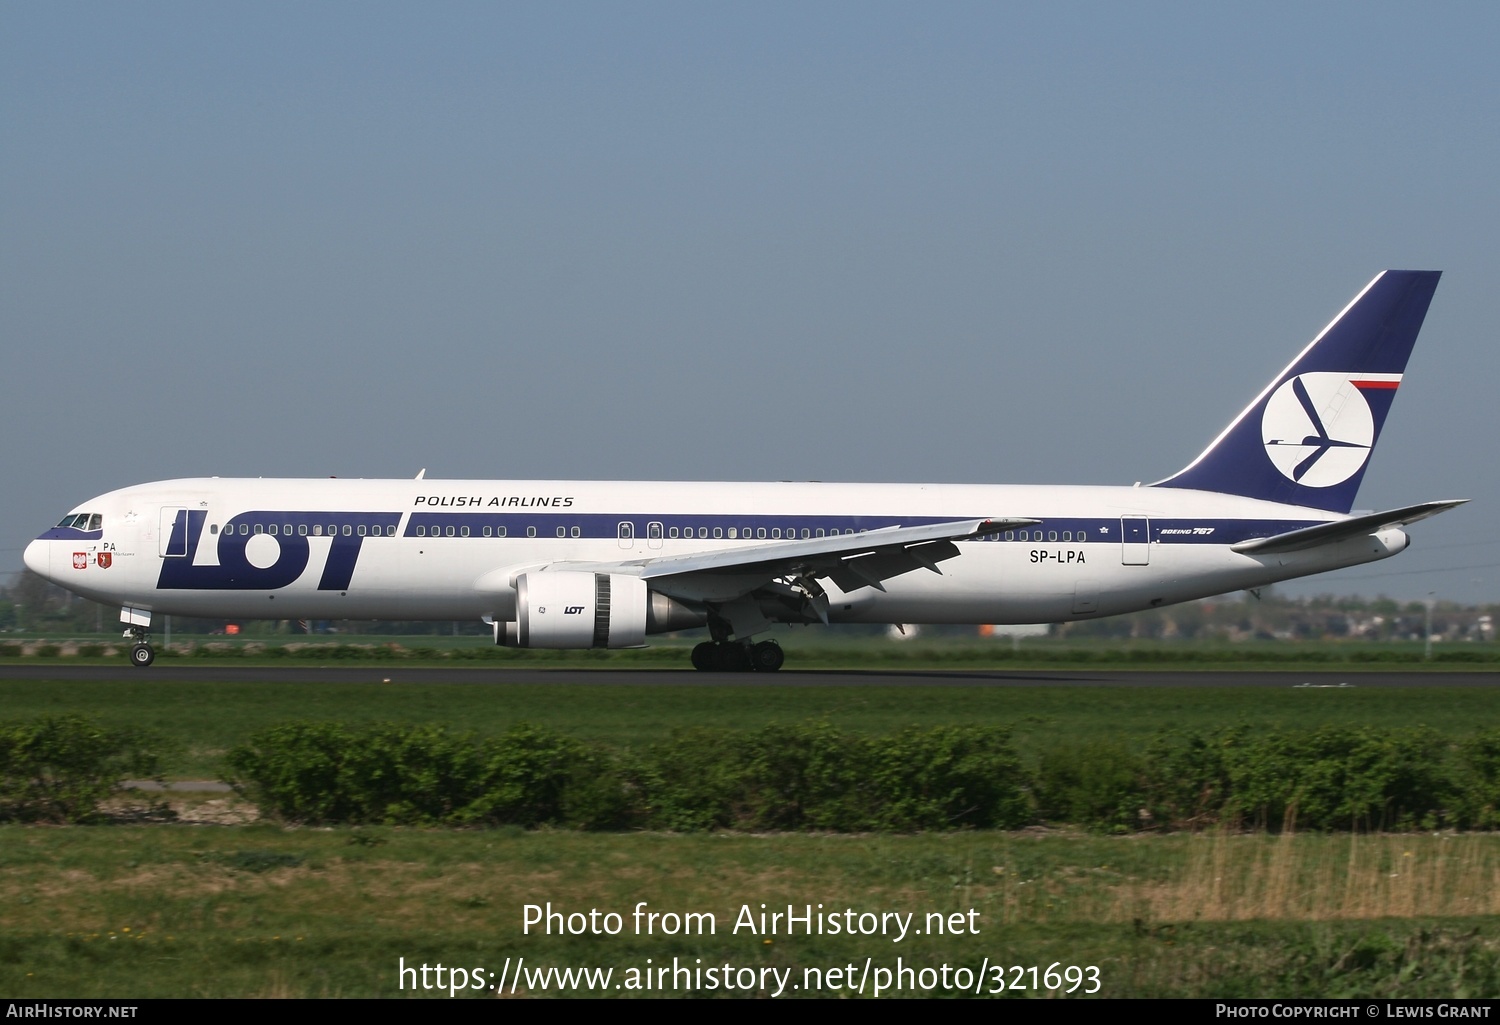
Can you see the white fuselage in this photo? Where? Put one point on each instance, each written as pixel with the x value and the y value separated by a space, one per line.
pixel 428 549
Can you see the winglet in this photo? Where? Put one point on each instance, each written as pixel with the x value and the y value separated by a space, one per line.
pixel 1307 438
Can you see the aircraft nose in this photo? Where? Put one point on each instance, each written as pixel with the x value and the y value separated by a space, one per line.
pixel 39 558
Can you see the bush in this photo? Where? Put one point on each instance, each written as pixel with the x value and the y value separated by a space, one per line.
pixel 1340 777
pixel 425 775
pixel 1476 777
pixel 812 776
pixel 1101 786
pixel 779 777
pixel 951 776
pixel 1187 784
pixel 59 768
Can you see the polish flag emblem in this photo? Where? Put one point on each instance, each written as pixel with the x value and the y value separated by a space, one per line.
pixel 103 560
pixel 80 560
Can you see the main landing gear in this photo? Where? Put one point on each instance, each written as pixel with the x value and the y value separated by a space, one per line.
pixel 142 654
pixel 738 657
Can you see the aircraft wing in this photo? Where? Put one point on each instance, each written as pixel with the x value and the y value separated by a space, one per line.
pixel 852 561
pixel 1341 530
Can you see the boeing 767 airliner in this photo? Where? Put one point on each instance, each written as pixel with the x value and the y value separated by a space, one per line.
pixel 603 564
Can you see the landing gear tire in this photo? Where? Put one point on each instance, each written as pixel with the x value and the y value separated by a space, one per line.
pixel 142 655
pixel 733 658
pixel 766 657
pixel 723 657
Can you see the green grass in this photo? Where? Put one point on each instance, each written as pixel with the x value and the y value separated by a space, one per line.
pixel 169 911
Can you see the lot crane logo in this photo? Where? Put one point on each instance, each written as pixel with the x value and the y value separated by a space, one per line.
pixel 1318 428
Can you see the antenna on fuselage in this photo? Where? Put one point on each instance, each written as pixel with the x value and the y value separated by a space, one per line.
pixel 421 473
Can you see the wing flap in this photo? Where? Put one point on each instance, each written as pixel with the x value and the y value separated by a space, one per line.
pixel 1342 530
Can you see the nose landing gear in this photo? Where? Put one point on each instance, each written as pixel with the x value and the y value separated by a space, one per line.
pixel 142 654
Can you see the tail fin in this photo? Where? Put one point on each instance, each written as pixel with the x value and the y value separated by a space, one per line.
pixel 1307 438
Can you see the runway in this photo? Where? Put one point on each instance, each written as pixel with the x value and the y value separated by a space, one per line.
pixel 498 677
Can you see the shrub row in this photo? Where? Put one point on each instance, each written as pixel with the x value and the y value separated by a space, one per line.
pixel 816 777
pixel 1334 777
pixel 59 768
pixel 775 778
pixel 792 777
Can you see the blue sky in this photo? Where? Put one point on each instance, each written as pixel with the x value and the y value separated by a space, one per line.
pixel 948 242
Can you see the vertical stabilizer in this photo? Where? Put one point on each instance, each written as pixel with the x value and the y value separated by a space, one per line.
pixel 1307 438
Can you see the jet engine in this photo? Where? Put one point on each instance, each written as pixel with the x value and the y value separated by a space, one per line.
pixel 569 609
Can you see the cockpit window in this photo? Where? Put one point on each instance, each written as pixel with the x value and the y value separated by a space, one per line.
pixel 96 521
pixel 82 521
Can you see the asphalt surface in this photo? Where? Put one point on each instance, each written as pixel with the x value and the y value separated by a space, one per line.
pixel 493 677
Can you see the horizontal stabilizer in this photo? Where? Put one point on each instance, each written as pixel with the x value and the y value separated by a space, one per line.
pixel 1342 530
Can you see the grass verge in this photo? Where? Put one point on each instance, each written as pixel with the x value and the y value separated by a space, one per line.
pixel 132 911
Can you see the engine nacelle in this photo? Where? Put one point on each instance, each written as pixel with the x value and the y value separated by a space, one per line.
pixel 568 609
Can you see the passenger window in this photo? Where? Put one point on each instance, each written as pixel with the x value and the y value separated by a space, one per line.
pixel 672 532
pixel 703 532
pixel 820 531
pixel 274 530
pixel 1024 536
pixel 259 529
pixel 562 531
pixel 317 530
pixel 421 531
pixel 776 533
pixel 718 532
pixel 244 529
pixel 531 532
pixel 578 532
pixel 1082 536
pixel 733 533
pixel 349 531
pixel 361 530
pixel 760 532
pixel 806 533
pixel 462 531
pixel 488 531
pixel 1067 535
pixel 1052 535
pixel 500 531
